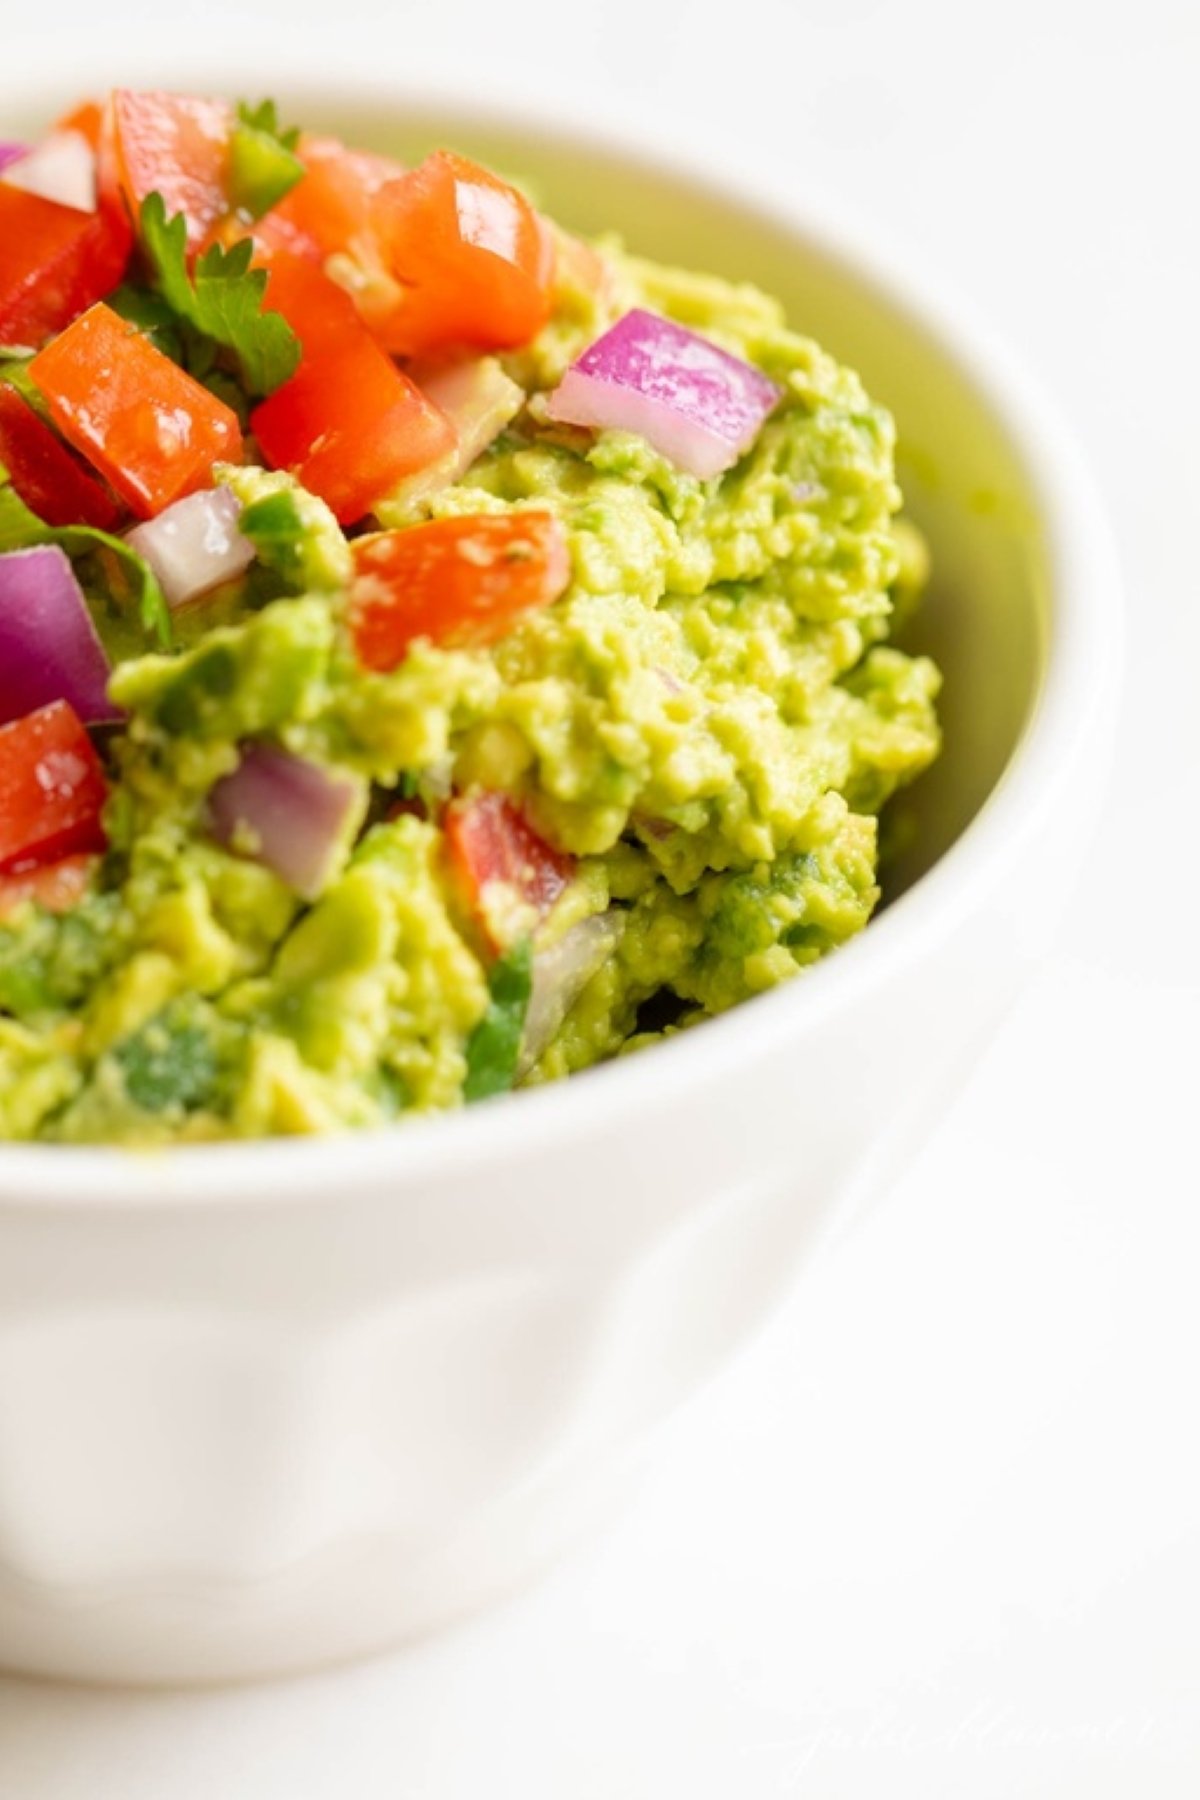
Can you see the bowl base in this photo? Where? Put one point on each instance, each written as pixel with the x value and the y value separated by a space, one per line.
pixel 386 1599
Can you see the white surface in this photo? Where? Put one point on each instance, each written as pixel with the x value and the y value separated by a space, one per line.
pixel 937 1532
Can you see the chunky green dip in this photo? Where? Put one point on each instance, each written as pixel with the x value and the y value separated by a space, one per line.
pixel 703 729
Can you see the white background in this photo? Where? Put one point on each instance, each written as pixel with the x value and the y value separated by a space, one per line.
pixel 937 1532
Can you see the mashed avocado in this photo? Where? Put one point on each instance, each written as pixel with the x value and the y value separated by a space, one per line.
pixel 702 730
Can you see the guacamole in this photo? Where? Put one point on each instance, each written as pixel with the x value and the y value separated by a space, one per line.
pixel 587 828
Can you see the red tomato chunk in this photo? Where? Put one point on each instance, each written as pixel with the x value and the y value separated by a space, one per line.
pixel 176 145
pixel 142 421
pixel 54 262
pixel 489 840
pixel 475 262
pixel 317 309
pixel 455 581
pixel 52 789
pixel 50 481
pixel 349 425
pixel 329 209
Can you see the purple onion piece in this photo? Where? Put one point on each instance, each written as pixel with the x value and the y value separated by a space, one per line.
pixel 694 403
pixel 194 545
pixel 11 153
pixel 49 647
pixel 293 815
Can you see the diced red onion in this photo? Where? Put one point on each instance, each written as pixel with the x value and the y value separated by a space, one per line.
pixel 49 647
pixel 11 153
pixel 694 403
pixel 560 975
pixel 284 811
pixel 62 168
pixel 195 544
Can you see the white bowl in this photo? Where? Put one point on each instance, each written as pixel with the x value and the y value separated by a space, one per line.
pixel 265 1406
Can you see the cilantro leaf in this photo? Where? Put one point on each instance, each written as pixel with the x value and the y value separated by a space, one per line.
pixel 222 299
pixel 153 317
pixel 494 1047
pixel 263 166
pixel 21 529
pixel 181 342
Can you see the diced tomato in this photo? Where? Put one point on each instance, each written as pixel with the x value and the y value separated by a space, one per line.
pixel 270 235
pixel 52 789
pixel 57 886
pixel 54 262
pixel 349 425
pixel 489 841
pixel 151 430
pixel 317 309
pixel 456 581
pixel 474 260
pixel 174 144
pixel 330 206
pixel 327 213
pixel 326 220
pixel 50 480
pixel 86 119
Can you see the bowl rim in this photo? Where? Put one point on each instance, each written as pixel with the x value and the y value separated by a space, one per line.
pixel 1071 712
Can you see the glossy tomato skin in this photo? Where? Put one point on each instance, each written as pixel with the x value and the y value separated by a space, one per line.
pixel 349 425
pixel 151 430
pixel 176 145
pixel 474 261
pixel 455 581
pixel 48 478
pixel 52 789
pixel 490 841
pixel 330 208
pixel 317 309
pixel 54 263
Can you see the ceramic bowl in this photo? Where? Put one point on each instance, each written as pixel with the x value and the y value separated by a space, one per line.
pixel 264 1406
